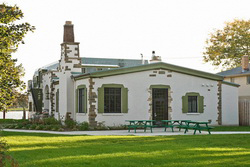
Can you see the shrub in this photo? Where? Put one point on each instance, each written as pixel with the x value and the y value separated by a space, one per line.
pixel 27 126
pixel 75 129
pixel 55 128
pixel 70 123
pixel 83 126
pixel 51 121
pixel 12 126
pixel 32 127
pixel 61 129
pixel 4 157
pixel 39 127
pixel 101 126
pixel 48 127
pixel 18 126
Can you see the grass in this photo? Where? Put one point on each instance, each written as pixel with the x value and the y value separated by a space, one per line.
pixel 231 128
pixel 11 121
pixel 45 150
pixel 17 109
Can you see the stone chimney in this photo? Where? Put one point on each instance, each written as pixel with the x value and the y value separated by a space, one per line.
pixel 68 35
pixel 244 63
pixel 155 58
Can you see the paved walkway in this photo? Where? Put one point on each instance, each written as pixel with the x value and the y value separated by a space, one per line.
pixel 156 132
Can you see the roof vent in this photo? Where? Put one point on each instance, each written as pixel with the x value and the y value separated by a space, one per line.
pixel 155 58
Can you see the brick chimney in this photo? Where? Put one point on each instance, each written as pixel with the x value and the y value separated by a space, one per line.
pixel 68 35
pixel 244 63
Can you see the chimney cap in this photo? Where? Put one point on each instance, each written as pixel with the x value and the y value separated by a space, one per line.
pixel 68 23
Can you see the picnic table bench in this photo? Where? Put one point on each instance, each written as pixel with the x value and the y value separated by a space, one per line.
pixel 195 125
pixel 135 124
pixel 173 123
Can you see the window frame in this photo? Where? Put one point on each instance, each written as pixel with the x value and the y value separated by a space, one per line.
pixel 84 99
pixel 192 104
pixel 57 100
pixel 115 95
pixel 200 102
pixel 124 98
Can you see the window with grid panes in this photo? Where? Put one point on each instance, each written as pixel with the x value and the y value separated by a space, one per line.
pixel 112 100
pixel 81 100
pixel 192 104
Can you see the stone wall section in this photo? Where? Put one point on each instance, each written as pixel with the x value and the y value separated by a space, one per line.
pixel 92 104
pixel 219 120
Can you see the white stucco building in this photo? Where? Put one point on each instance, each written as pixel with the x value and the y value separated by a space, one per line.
pixel 115 90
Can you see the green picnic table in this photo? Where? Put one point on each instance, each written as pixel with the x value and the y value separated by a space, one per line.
pixel 134 124
pixel 173 123
pixel 196 125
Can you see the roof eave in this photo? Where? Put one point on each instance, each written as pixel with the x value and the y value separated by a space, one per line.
pixel 163 66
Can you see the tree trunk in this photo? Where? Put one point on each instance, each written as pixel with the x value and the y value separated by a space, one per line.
pixel 4 112
pixel 24 113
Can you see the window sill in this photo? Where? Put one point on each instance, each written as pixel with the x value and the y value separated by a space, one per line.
pixel 112 114
pixel 81 114
pixel 193 113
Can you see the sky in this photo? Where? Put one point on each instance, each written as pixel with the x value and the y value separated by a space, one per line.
pixel 175 29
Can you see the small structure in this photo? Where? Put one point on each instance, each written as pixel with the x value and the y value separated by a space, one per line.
pixel 241 75
pixel 114 90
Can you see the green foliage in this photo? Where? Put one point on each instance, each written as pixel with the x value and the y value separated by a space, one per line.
pixel 11 35
pixel 227 46
pixel 83 126
pixel 11 121
pixel 51 121
pixel 70 123
pixel 5 158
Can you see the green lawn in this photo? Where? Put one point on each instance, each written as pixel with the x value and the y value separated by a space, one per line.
pixel 231 128
pixel 35 150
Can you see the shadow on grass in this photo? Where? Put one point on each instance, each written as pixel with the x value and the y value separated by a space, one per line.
pixel 74 151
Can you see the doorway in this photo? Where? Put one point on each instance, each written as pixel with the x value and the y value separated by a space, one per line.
pixel 160 104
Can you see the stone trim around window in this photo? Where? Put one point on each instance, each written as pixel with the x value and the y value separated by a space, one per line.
pixel 124 96
pixel 200 102
pixel 84 101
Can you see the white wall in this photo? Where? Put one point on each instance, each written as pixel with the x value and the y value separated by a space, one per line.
pixel 244 87
pixel 46 82
pixel 230 115
pixel 138 86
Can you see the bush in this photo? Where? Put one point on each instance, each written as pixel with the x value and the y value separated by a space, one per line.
pixel 101 126
pixel 51 121
pixel 60 129
pixel 83 126
pixel 12 126
pixel 55 128
pixel 18 126
pixel 33 127
pixel 4 157
pixel 70 123
pixel 27 126
pixel 39 127
pixel 48 127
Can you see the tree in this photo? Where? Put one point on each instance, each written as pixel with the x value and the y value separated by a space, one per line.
pixel 227 46
pixel 11 35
